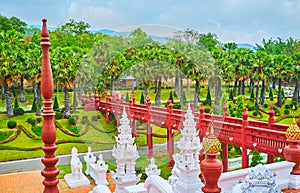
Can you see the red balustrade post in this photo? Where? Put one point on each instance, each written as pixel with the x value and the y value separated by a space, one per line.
pixel 133 122
pixel 170 136
pixel 149 129
pixel 108 100
pixel 225 113
pixel 97 99
pixel 271 120
pixel 48 131
pixel 245 158
pixel 201 132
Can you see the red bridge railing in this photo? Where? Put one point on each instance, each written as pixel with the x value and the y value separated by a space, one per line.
pixel 265 137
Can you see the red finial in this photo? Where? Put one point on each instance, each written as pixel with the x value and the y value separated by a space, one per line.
pixel 48 130
pixel 245 114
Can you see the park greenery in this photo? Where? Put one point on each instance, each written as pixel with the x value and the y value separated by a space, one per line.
pixel 204 70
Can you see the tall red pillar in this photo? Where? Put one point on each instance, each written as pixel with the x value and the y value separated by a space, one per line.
pixel 48 130
pixel 149 129
pixel 245 158
pixel 271 120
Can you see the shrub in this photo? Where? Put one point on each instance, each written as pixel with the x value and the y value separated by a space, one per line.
pixel 142 100
pixel 294 103
pixel 255 113
pixel 32 121
pixel 176 106
pixel 11 124
pixel 76 117
pixel 74 129
pixel 287 106
pixel 286 111
pixel 231 95
pixel 39 119
pixel 207 110
pixel 33 107
pixel 266 105
pixel 84 119
pixel 19 111
pixel 55 104
pixel 208 98
pixel 95 118
pixel 171 97
pixel 72 121
pixel 59 115
pixel 37 130
pixel 271 94
pixel 256 158
pixel 16 103
pixel 127 97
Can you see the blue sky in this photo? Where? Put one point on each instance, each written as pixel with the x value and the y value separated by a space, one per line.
pixel 242 21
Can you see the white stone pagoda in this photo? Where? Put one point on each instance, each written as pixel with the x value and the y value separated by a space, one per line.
pixel 187 167
pixel 126 154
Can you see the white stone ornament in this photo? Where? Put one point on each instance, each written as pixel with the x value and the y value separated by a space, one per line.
pixel 89 158
pixel 152 168
pixel 76 178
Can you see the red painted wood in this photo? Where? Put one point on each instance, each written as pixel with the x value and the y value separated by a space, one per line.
pixel 48 130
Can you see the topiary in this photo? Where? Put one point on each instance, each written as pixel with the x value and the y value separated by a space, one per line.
pixel 55 104
pixel 95 118
pixel 11 124
pixel 127 97
pixel 58 115
pixel 37 130
pixel 208 98
pixel 271 94
pixel 171 97
pixel 287 106
pixel 72 121
pixel 266 105
pixel 286 111
pixel 18 111
pixel 255 113
pixel 142 100
pixel 207 110
pixel 84 119
pixel 39 119
pixel 33 107
pixel 32 122
pixel 16 103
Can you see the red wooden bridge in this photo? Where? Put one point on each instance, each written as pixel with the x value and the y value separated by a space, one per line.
pixel 265 137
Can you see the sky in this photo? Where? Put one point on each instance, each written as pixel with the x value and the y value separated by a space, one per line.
pixel 241 21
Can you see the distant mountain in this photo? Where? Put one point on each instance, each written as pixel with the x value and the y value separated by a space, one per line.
pixel 248 46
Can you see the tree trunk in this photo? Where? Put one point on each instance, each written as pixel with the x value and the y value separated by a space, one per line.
pixel 155 85
pixel 279 97
pixel 22 97
pixel 176 84
pixel 274 83
pixel 181 90
pixel 80 91
pixel 66 101
pixel 196 95
pixel 39 100
pixel 13 91
pixel 112 86
pixel 243 87
pixel 256 94
pixel 2 93
pixel 146 90
pixel 235 87
pixel 262 94
pixel 251 86
pixel 34 89
pixel 187 85
pixel 9 108
pixel 217 96
pixel 157 99
pixel 74 99
pixel 296 91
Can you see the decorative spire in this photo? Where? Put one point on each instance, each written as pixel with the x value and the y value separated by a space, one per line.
pixel 293 132
pixel 211 144
pixel 48 130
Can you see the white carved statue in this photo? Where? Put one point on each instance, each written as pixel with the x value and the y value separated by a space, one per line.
pixel 152 168
pixel 89 158
pixel 76 165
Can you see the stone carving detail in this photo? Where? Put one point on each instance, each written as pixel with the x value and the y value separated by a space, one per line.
pixel 89 158
pixel 259 179
pixel 76 178
pixel 185 174
pixel 152 168
pixel 126 154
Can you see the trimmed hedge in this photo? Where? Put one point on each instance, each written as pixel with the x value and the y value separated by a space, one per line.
pixel 11 124
pixel 37 130
pixel 59 115
pixel 18 111
pixel 5 135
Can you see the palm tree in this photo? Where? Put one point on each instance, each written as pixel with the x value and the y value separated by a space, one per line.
pixel 296 75
pixel 9 48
